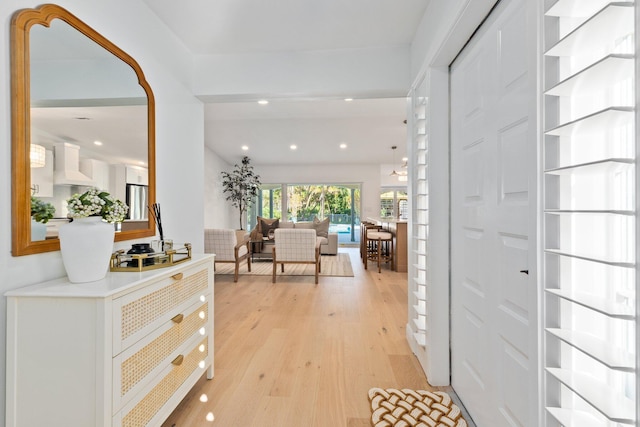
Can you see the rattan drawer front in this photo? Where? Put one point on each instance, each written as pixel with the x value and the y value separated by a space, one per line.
pixel 144 410
pixel 137 314
pixel 136 363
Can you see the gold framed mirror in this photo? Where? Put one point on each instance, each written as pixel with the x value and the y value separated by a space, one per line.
pixel 83 115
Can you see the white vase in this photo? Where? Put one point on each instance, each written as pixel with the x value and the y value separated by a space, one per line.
pixel 38 231
pixel 86 245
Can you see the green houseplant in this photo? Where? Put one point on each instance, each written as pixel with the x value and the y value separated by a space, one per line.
pixel 242 186
pixel 41 211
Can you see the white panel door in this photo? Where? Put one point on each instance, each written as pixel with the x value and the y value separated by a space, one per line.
pixel 493 303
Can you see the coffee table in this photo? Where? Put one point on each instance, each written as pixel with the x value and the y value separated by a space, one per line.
pixel 256 249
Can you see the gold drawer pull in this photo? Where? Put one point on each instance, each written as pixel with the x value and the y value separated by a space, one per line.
pixel 177 276
pixel 178 360
pixel 178 318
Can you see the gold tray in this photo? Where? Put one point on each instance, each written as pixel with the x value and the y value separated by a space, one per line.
pixel 121 261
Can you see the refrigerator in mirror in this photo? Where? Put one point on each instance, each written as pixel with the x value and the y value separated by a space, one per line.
pixel 137 200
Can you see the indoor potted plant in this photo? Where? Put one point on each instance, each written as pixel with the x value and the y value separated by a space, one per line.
pixel 242 186
pixel 41 213
pixel 86 243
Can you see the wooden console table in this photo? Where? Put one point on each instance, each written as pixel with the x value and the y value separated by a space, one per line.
pixel 399 229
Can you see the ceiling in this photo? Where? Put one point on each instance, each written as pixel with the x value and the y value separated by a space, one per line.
pixel 317 126
pixel 244 26
pixel 368 128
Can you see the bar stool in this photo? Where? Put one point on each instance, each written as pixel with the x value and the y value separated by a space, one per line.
pixel 379 248
pixel 364 226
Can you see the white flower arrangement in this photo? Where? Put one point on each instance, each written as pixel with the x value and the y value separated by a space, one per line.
pixel 94 202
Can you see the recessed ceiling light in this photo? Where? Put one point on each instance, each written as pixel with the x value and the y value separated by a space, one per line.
pixel 293 147
pixel 97 142
pixel 348 99
pixel 263 102
pixel 404 159
pixel 343 146
pixel 244 148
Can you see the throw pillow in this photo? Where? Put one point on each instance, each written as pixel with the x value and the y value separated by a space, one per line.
pixel 322 227
pixel 267 220
pixel 265 227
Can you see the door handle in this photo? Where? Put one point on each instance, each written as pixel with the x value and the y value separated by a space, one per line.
pixel 525 272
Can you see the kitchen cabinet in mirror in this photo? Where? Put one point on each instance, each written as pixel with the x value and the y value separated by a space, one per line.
pixel 83 115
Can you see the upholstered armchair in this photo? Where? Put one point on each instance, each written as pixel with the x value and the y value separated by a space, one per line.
pixel 228 246
pixel 296 246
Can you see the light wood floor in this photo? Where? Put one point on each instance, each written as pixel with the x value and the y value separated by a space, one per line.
pixel 298 354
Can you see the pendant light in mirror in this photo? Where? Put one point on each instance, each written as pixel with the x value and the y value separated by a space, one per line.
pixel 37 154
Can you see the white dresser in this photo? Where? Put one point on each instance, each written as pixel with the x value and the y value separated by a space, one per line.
pixel 122 351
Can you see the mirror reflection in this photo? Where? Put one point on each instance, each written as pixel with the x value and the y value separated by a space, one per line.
pixel 83 115
pixel 88 127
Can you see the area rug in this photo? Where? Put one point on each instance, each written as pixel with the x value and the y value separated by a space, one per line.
pixel 332 265
pixel 414 408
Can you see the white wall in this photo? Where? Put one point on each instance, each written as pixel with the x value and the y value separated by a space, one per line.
pixel 367 175
pixel 179 136
pixel 435 42
pixel 366 73
pixel 218 213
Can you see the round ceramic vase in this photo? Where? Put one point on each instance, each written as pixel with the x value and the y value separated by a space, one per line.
pixel 86 245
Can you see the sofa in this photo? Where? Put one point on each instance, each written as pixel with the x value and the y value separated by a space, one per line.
pixel 261 245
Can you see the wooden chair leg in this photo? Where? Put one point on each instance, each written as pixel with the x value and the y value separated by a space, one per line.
pixel 275 265
pixel 235 272
pixel 366 254
pixel 249 263
pixel 393 257
pixel 273 277
pixel 379 255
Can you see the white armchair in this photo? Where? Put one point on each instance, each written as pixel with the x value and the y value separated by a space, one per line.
pixel 296 246
pixel 228 247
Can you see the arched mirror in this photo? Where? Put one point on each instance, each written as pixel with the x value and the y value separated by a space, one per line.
pixel 82 116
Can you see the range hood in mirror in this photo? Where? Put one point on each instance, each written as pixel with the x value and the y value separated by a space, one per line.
pixel 67 166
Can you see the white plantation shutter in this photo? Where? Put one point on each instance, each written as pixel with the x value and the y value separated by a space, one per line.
pixel 418 227
pixel 589 223
pixel 420 218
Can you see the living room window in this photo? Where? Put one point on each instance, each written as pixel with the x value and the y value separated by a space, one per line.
pixel 339 203
pixel 393 203
pixel 270 201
